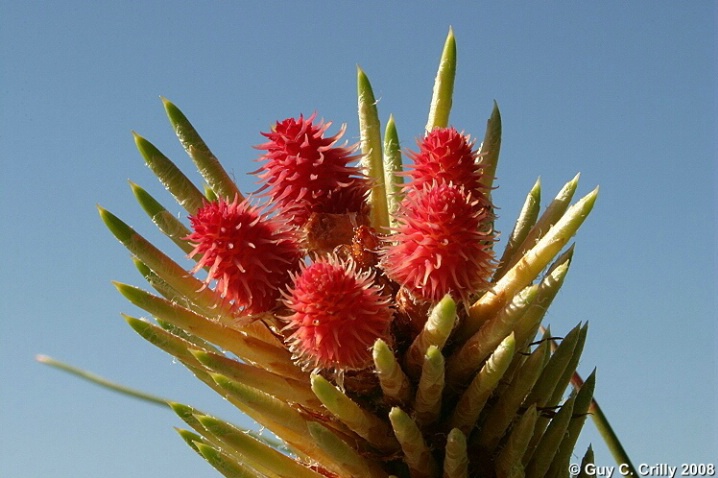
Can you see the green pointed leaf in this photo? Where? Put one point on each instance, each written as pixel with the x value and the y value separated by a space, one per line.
pixel 588 459
pixel 550 216
pixel 188 414
pixel 550 378
pixel 505 410
pixel 244 448
pixel 472 401
pixel 467 360
pixel 163 219
pixel 279 417
pixel 549 286
pixel 607 433
pixel 207 164
pixel 245 346
pixel 174 297
pixel 162 339
pixel 436 332
pixel 173 345
pixel 570 369
pixel 191 416
pixel 490 148
pixel 225 464
pixel 456 461
pixel 417 454
pixel 393 167
pixel 173 313
pixel 197 343
pixel 547 448
pixel 167 269
pixel 371 147
pixel 550 387
pixel 394 382
pixel 529 267
pixel 363 423
pixel 183 190
pixel 427 404
pixel 285 388
pixel 443 86
pixel 160 285
pixel 524 223
pixel 580 412
pixel 508 463
pixel 344 459
pixel 190 438
pixel 520 359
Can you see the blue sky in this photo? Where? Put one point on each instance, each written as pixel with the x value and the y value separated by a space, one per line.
pixel 624 92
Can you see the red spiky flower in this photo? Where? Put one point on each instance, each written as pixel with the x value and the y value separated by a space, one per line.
pixel 337 313
pixel 249 255
pixel 442 243
pixel 306 172
pixel 445 155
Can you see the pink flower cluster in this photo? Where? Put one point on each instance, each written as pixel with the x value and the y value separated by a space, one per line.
pixel 305 172
pixel 337 300
pixel 444 240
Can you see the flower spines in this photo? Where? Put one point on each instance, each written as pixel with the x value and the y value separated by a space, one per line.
pixel 305 172
pixel 443 243
pixel 444 238
pixel 447 156
pixel 336 314
pixel 249 255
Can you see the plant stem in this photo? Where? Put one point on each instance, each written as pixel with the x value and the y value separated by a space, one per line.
pixel 97 380
pixel 604 428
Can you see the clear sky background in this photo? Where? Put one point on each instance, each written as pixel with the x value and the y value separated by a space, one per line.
pixel 624 92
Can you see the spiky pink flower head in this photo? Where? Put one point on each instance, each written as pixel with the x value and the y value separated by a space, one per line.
pixel 305 171
pixel 250 256
pixel 445 155
pixel 442 243
pixel 337 313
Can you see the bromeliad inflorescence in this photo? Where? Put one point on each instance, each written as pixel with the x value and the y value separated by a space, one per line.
pixel 337 308
pixel 359 312
pixel 249 255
